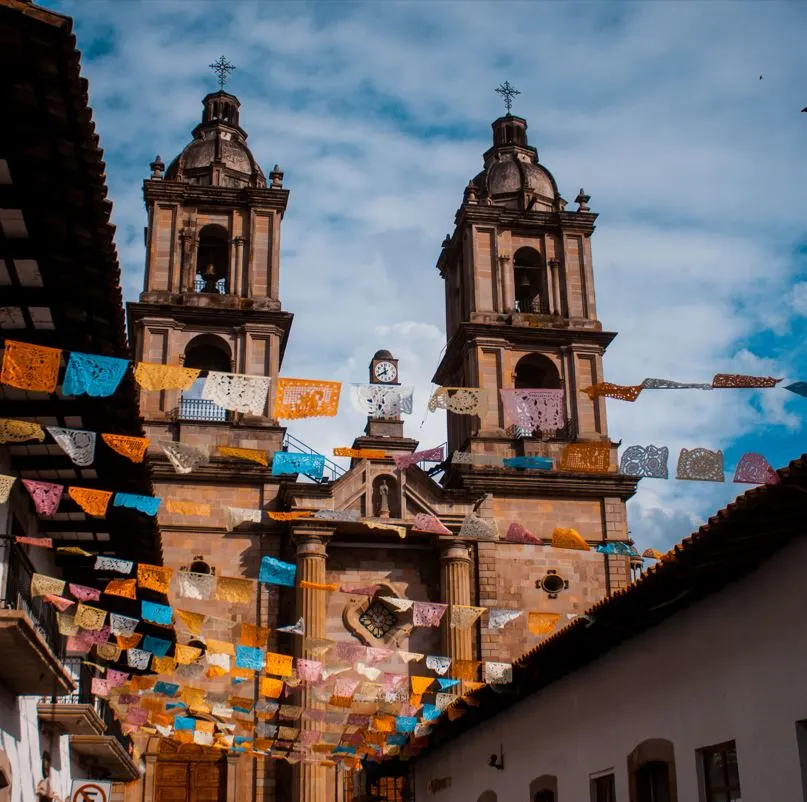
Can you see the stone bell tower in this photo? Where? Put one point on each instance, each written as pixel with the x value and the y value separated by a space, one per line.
pixel 521 314
pixel 211 292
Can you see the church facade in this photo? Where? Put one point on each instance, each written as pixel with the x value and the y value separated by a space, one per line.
pixel 520 313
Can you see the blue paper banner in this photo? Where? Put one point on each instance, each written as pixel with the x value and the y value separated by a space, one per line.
pixel 622 549
pixel 536 463
pixel 249 657
pixel 166 688
pixel 447 683
pixel 146 504
pixel 406 723
pixel 158 646
pixel 156 613
pixel 430 712
pixel 275 572
pixel 799 388
pixel 184 723
pixel 397 739
pixel 284 462
pixel 94 375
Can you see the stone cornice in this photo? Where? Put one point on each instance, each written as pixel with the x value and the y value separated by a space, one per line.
pixel 277 322
pixel 221 473
pixel 178 192
pixel 546 485
pixel 523 337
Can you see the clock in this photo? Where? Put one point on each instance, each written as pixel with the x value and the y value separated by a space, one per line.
pixel 385 371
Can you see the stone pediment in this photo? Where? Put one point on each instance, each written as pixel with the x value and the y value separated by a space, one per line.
pixel 376 489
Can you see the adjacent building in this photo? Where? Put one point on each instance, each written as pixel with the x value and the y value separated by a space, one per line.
pixel 684 687
pixel 59 287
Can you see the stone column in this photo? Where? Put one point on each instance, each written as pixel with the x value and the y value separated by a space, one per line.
pixel 312 782
pixel 232 777
pixel 554 266
pixel 455 586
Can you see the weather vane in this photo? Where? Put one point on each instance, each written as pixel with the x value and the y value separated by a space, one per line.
pixel 508 93
pixel 223 68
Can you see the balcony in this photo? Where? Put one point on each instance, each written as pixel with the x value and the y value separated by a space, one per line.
pixel 200 409
pixel 29 638
pixel 76 713
pixel 94 733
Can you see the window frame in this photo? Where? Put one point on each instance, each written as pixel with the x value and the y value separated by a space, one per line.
pixel 709 792
pixel 594 782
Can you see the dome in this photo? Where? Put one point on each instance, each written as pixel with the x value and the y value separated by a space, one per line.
pixel 218 154
pixel 383 354
pixel 512 176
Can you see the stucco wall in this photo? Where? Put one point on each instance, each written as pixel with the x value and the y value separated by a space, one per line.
pixel 729 668
pixel 23 743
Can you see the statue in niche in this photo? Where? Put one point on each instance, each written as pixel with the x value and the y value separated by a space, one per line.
pixel 383 500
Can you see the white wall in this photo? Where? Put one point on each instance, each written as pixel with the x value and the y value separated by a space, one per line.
pixel 732 667
pixel 23 742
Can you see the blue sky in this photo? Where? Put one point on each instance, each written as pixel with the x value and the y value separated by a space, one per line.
pixel 379 113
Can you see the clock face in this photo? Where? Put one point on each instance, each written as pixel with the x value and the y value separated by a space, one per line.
pixel 385 371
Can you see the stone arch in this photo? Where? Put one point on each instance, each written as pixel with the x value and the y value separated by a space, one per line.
pixel 393 496
pixel 529 281
pixel 213 260
pixel 544 789
pixel 538 372
pixel 651 772
pixel 208 352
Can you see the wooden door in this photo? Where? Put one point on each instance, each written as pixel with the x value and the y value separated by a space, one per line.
pixel 190 781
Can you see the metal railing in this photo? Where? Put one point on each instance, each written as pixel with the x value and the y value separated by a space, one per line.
pixel 199 285
pixel 16 595
pixel 82 695
pixel 332 470
pixel 200 409
pixel 434 468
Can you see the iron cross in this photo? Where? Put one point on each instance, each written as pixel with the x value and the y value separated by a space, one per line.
pixel 508 93
pixel 222 68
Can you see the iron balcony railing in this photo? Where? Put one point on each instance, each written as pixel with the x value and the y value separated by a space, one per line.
pixel 200 409
pixel 15 594
pixel 82 695
pixel 199 285
pixel 332 470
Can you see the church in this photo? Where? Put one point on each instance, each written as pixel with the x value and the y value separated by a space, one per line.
pixel 520 308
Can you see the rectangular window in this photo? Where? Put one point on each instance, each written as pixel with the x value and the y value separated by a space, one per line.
pixel 721 776
pixel 603 788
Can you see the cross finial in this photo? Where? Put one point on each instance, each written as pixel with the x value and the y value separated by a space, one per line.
pixel 222 68
pixel 508 93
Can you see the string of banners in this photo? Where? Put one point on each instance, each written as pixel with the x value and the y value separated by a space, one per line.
pixel 36 368
pixel 215 682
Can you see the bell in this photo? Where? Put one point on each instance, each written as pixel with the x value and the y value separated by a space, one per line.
pixel 209 277
pixel 524 281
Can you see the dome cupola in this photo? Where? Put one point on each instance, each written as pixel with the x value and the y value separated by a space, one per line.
pixel 512 176
pixel 218 154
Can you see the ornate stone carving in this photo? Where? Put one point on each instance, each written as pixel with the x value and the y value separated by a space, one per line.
pixel 390 633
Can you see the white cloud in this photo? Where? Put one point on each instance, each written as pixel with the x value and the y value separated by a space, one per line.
pixel 379 115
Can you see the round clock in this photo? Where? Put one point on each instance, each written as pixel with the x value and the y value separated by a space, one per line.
pixel 385 372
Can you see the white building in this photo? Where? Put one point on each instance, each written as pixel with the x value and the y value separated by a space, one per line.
pixel 689 686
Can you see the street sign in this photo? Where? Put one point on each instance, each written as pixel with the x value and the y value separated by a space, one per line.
pixel 90 791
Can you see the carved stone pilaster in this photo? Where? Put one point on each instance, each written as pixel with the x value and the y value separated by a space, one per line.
pixel 455 585
pixel 312 782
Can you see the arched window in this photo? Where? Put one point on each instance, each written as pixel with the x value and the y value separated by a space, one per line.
pixel 544 789
pixel 653 782
pixel 212 260
pixel 651 772
pixel 487 796
pixel 205 352
pixel 529 284
pixel 536 372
